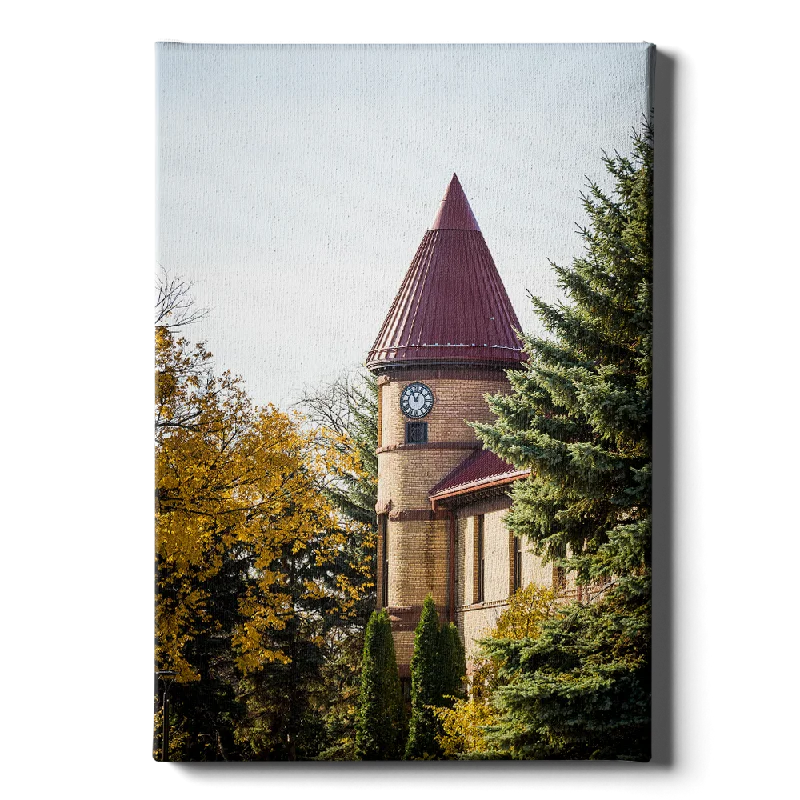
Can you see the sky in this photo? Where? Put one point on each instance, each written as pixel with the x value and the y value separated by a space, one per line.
pixel 295 182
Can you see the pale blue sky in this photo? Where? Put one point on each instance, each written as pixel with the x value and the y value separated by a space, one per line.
pixel 295 182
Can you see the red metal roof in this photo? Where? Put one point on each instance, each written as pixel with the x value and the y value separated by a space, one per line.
pixel 452 305
pixel 454 212
pixel 480 470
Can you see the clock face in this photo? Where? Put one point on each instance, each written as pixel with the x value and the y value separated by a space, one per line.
pixel 416 400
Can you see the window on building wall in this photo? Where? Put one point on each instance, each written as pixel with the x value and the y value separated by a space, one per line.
pixel 480 563
pixel 559 580
pixel 380 414
pixel 455 564
pixel 383 532
pixel 559 573
pixel 517 563
pixel 416 432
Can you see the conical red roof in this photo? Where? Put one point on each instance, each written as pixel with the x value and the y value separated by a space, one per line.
pixel 454 213
pixel 452 305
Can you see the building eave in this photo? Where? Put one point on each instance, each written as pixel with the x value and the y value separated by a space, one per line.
pixel 462 492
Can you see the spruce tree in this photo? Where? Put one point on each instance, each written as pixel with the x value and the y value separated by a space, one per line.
pixel 579 417
pixel 426 685
pixel 380 724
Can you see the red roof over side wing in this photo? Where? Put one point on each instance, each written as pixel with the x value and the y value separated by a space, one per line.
pixel 480 470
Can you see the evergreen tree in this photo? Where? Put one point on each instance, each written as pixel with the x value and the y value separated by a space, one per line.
pixel 283 696
pixel 347 409
pixel 579 417
pixel 379 730
pixel 426 685
pixel 438 667
pixel 345 415
pixel 452 665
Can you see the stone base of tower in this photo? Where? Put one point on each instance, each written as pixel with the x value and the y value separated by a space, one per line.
pixel 418 566
pixel 404 620
pixel 403 649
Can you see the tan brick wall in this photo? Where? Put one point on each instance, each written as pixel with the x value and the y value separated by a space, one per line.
pixel 418 562
pixel 510 566
pixel 475 620
pixel 464 562
pixel 495 545
pixel 533 570
pixel 474 625
pixel 497 564
pixel 405 477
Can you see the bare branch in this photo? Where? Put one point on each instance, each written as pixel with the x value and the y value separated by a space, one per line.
pixel 175 306
pixel 330 405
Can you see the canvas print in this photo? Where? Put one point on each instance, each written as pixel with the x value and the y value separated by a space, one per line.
pixel 403 402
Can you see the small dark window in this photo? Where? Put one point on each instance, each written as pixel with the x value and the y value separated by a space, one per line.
pixel 416 432
pixel 560 574
pixel 517 564
pixel 479 560
pixel 385 566
pixel 559 579
pixel 562 579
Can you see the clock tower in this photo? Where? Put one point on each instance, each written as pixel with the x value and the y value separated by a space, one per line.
pixel 446 342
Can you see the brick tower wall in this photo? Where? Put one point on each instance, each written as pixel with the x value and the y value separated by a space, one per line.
pixel 418 539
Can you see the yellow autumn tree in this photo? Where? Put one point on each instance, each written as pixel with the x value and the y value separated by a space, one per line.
pixel 235 486
pixel 254 564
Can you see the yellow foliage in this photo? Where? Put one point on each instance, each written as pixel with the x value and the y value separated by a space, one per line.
pixel 463 727
pixel 230 478
pixel 527 609
pixel 177 738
